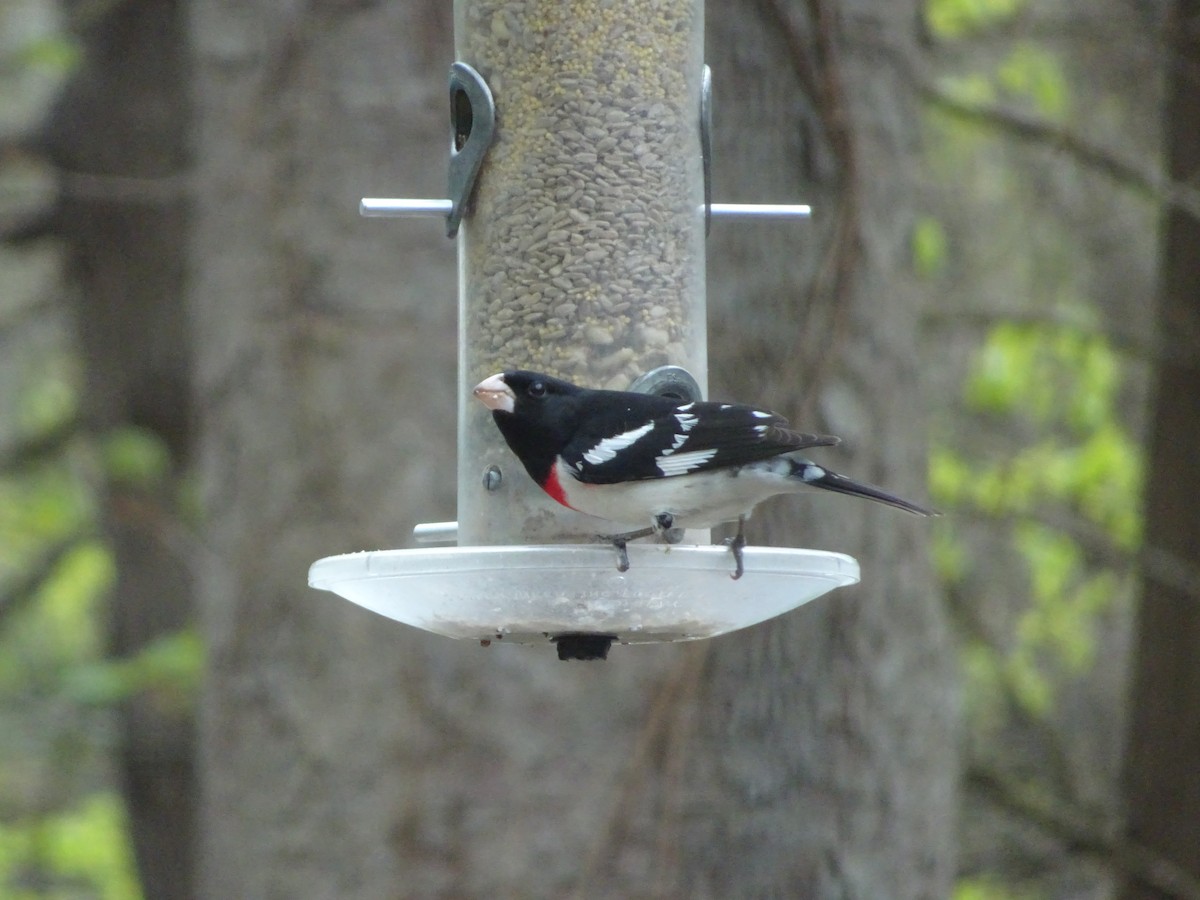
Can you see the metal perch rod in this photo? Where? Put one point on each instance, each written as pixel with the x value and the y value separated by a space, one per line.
pixel 387 207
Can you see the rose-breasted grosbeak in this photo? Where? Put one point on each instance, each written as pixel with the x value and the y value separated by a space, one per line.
pixel 640 459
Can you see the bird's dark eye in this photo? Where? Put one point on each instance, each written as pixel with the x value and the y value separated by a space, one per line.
pixel 537 389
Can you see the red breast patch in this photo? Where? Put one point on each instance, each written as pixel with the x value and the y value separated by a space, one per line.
pixel 554 488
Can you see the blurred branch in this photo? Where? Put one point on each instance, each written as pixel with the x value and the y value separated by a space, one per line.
pixel 1047 807
pixel 1171 570
pixel 13 596
pixel 157 519
pixel 1031 128
pixel 126 189
pixel 16 319
pixel 29 228
pixel 39 447
pixel 678 742
pixel 777 13
pixel 660 747
pixel 1167 568
pixel 1170 348
pixel 816 63
pixel 1079 832
pixel 971 625
pixel 1151 180
pixel 1086 26
pixel 31 221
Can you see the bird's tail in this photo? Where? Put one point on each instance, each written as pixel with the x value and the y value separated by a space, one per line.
pixel 820 477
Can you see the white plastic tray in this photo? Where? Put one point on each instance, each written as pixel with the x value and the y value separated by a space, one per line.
pixel 531 594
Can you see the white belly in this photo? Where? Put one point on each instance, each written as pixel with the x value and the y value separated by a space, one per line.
pixel 695 501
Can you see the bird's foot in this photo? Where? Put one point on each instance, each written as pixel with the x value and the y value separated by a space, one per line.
pixel 736 544
pixel 619 542
pixel 622 554
pixel 663 528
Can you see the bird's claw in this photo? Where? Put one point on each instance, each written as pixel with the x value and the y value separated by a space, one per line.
pixel 619 541
pixel 664 528
pixel 736 545
pixel 622 554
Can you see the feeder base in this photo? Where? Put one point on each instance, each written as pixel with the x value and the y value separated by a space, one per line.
pixel 531 595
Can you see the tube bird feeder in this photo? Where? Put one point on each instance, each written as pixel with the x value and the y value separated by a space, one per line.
pixel 579 196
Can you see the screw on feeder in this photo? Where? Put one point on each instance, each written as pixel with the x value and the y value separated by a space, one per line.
pixel 492 476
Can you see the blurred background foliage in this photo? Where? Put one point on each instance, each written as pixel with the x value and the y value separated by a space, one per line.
pixel 63 826
pixel 1036 457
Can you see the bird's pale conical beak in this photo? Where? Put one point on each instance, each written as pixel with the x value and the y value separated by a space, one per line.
pixel 495 394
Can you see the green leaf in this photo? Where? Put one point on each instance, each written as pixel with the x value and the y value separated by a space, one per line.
pixel 1000 380
pixel 83 852
pixel 49 398
pixel 1047 374
pixel 988 888
pixel 169 668
pixel 1109 481
pixel 972 88
pixel 136 457
pixel 951 477
pixel 68 599
pixel 1036 74
pixel 928 247
pixel 981 671
pixel 1032 690
pixel 55 53
pixel 957 18
pixel 1063 383
pixel 949 553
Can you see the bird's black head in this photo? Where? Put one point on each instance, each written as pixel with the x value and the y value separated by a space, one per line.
pixel 536 413
pixel 523 393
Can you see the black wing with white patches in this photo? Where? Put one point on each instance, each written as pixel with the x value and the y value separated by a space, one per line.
pixel 659 438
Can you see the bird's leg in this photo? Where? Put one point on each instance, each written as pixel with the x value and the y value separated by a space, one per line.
pixel 620 540
pixel 664 527
pixel 736 544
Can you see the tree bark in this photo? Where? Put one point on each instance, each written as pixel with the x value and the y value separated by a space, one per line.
pixel 828 737
pixel 119 137
pixel 344 754
pixel 1162 790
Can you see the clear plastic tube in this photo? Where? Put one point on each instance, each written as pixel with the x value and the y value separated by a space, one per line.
pixel 583 255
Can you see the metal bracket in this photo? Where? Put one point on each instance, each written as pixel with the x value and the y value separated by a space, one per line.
pixel 472 127
pixel 435 532
pixel 732 210
pixel 396 208
pixel 706 143
pixel 674 382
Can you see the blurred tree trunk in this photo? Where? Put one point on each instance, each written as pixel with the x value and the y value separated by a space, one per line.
pixel 345 755
pixel 119 137
pixel 829 736
pixel 1163 790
